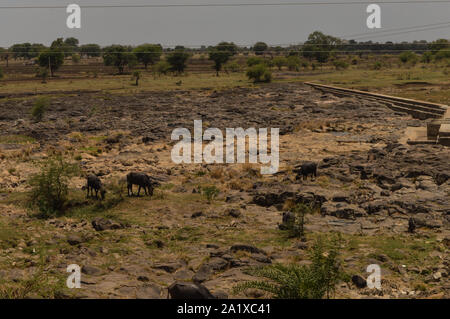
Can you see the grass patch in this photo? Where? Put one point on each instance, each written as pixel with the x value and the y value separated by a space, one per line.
pixel 16 139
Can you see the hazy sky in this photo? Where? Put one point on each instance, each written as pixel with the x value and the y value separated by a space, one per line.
pixel 209 25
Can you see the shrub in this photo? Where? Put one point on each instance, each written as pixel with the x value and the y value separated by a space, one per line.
pixel 232 67
pixel 427 57
pixel 177 60
pixel 259 73
pixel 39 108
pixel 76 58
pixel 408 57
pixel 296 226
pixel 162 67
pixel 253 60
pixel 293 63
pixel 137 77
pixel 340 65
pixel 293 281
pixel 210 192
pixel 279 62
pixel 377 65
pixel 49 187
pixel 443 54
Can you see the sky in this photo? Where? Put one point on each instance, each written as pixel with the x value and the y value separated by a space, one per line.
pixel 195 26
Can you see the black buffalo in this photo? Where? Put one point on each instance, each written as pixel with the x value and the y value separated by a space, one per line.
pixel 306 169
pixel 94 184
pixel 143 181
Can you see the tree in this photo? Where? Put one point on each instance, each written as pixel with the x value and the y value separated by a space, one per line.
pixel 279 62
pixel 118 56
pixel 260 47
pixel 52 59
pixel 4 55
pixel 91 50
pixel 72 42
pixel 177 60
pixel 148 53
pixel 319 46
pixel 137 77
pixel 259 73
pixel 439 45
pixel 26 50
pixel 221 53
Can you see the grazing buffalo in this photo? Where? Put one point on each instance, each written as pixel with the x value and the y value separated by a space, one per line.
pixel 306 169
pixel 143 181
pixel 94 184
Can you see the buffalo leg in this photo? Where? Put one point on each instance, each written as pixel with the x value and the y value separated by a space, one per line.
pixel 130 189
pixel 139 190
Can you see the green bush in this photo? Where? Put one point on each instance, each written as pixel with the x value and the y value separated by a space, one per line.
pixel 427 57
pixel 210 192
pixel 443 54
pixel 293 281
pixel 377 65
pixel 293 63
pixel 232 67
pixel 253 60
pixel 296 226
pixel 49 187
pixel 279 62
pixel 39 108
pixel 162 67
pixel 408 57
pixel 259 73
pixel 340 65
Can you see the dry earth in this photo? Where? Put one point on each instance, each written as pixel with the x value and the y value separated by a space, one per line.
pixel 369 185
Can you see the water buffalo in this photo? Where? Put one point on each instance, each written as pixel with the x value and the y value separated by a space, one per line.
pixel 143 181
pixel 306 169
pixel 94 184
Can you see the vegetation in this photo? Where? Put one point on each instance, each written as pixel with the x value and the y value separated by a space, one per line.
pixel 260 47
pixel 52 59
pixel 221 53
pixel 210 192
pixel 177 60
pixel 259 73
pixel 39 108
pixel 293 281
pixel 119 56
pixel 49 187
pixel 148 54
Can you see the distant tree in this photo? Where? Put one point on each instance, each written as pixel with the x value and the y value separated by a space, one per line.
pixel 259 73
pixel 162 67
pixel 118 56
pixel 76 58
pixel 73 42
pixel 26 50
pixel 319 46
pixel 148 53
pixel 253 60
pixel 4 55
pixel 279 62
pixel 427 57
pixel 177 60
pixel 408 56
pixel 293 63
pixel 137 77
pixel 439 45
pixel 260 47
pixel 52 59
pixel 91 50
pixel 221 53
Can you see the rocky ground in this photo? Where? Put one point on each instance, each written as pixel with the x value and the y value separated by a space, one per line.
pixel 369 186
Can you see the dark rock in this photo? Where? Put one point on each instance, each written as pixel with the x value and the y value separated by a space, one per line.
pixel 74 239
pixel 101 224
pixel 185 290
pixel 247 248
pixel 359 281
pixel 90 270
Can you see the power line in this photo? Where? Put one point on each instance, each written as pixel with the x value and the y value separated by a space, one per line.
pixel 197 5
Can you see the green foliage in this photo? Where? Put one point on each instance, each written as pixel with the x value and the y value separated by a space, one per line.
pixel 221 53
pixel 340 65
pixel 26 50
pixel 293 281
pixel 39 108
pixel 443 54
pixel 293 63
pixel 162 67
pixel 259 48
pixel 177 60
pixel 210 192
pixel 1 73
pixel 76 58
pixel 259 73
pixel 377 65
pixel 296 226
pixel 148 53
pixel 52 59
pixel 320 46
pixel 232 67
pixel 408 57
pixel 91 50
pixel 49 187
pixel 43 74
pixel 119 56
pixel 427 57
pixel 254 60
pixel 279 62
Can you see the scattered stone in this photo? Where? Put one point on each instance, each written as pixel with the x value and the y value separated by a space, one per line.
pixel 101 224
pixel 359 281
pixel 185 290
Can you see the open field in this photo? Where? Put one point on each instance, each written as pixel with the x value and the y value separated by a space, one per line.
pixel 369 185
